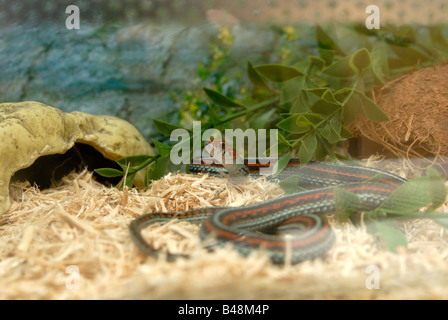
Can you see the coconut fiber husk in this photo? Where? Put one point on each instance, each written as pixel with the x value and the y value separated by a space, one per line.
pixel 82 225
pixel 417 105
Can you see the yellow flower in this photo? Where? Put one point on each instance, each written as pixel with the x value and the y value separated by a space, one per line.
pixel 290 33
pixel 225 36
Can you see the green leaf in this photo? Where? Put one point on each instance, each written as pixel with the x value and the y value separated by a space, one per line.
pixel 330 133
pixel 400 35
pixel 352 109
pixel 129 180
pixel 255 78
pixel 325 42
pixel 290 90
pixel 416 194
pixel 392 235
pixel 346 203
pixel 213 116
pixel 290 125
pixel 437 37
pixel 442 221
pixel 371 110
pixel 166 128
pixel 436 187
pixel 329 97
pixel 343 94
pixel 279 148
pixel 281 164
pixel 309 120
pixel 360 60
pixel 109 172
pixel 336 122
pixel 407 56
pixel 307 148
pixel 278 72
pixel 300 105
pixel 323 149
pixel 282 146
pixel 363 31
pixel 261 119
pixel 303 66
pixel 133 161
pixel 327 55
pixel 340 69
pixel 283 140
pixel 324 107
pixel 162 148
pixel 290 184
pixel 316 63
pixel 317 91
pixel 380 66
pixel 346 133
pixel 157 169
pixel 360 84
pixel 221 100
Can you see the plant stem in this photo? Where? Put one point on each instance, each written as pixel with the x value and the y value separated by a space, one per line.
pixel 244 112
pixel 144 164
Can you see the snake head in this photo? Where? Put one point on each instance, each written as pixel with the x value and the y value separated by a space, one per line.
pixel 222 152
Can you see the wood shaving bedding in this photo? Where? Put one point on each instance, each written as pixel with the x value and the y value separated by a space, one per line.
pixel 83 225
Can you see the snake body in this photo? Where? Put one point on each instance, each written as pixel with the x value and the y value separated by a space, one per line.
pixel 261 226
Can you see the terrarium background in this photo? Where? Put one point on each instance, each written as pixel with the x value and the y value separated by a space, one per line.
pixel 133 59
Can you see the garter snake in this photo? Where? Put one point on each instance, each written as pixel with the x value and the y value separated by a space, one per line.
pixel 253 227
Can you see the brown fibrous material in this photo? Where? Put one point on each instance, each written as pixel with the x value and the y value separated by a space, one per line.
pixel 417 105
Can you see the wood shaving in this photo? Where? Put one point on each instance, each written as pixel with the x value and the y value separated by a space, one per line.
pixel 83 225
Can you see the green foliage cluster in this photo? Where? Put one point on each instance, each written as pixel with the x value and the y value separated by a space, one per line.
pixel 315 96
pixel 311 95
pixel 214 74
pixel 312 98
pixel 130 166
pixel 404 203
